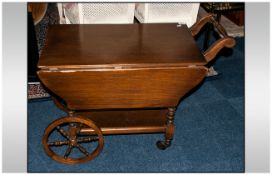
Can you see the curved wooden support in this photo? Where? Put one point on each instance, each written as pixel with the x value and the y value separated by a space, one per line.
pixel 226 41
pixel 208 19
pixel 199 24
pixel 217 46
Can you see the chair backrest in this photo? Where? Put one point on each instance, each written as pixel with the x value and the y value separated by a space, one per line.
pixel 97 13
pixel 167 12
pixel 106 13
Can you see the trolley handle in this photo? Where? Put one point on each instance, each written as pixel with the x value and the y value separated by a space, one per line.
pixel 225 41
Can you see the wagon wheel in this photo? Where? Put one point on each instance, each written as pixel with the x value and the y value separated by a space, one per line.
pixel 72 139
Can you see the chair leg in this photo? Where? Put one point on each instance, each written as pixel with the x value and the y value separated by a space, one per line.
pixel 169 133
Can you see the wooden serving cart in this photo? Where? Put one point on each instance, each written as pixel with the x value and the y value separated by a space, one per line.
pixel 119 79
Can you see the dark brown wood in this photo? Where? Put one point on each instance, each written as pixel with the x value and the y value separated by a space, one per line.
pixel 170 125
pixel 106 45
pixel 71 140
pixel 207 19
pixel 211 52
pixel 226 41
pixel 38 11
pixel 195 29
pixel 238 17
pixel 125 130
pixel 126 121
pixel 118 79
pixel 123 88
pixel 169 133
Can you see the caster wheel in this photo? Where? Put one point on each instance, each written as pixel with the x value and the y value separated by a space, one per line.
pixel 162 145
pixel 68 128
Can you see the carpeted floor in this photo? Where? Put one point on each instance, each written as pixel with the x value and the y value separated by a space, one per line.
pixel 209 133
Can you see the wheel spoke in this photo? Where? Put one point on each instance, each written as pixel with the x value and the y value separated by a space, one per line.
pixel 58 143
pixel 62 132
pixel 79 126
pixel 82 149
pixel 68 151
pixel 88 139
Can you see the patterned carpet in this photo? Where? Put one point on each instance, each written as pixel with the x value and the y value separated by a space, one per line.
pixel 51 17
pixel 35 89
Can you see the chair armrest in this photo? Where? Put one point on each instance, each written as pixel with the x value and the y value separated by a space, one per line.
pixel 225 41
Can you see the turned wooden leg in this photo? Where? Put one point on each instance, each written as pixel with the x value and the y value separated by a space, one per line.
pixel 169 133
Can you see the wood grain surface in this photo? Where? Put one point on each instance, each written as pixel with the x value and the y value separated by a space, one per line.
pixel 129 88
pixel 123 79
pixel 105 45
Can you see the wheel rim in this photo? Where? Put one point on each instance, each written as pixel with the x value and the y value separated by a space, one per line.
pixel 72 143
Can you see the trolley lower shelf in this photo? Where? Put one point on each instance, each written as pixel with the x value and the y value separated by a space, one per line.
pixel 126 121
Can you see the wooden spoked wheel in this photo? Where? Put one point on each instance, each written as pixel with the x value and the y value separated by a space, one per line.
pixel 71 139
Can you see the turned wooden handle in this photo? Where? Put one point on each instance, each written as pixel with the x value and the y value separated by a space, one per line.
pixel 226 41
